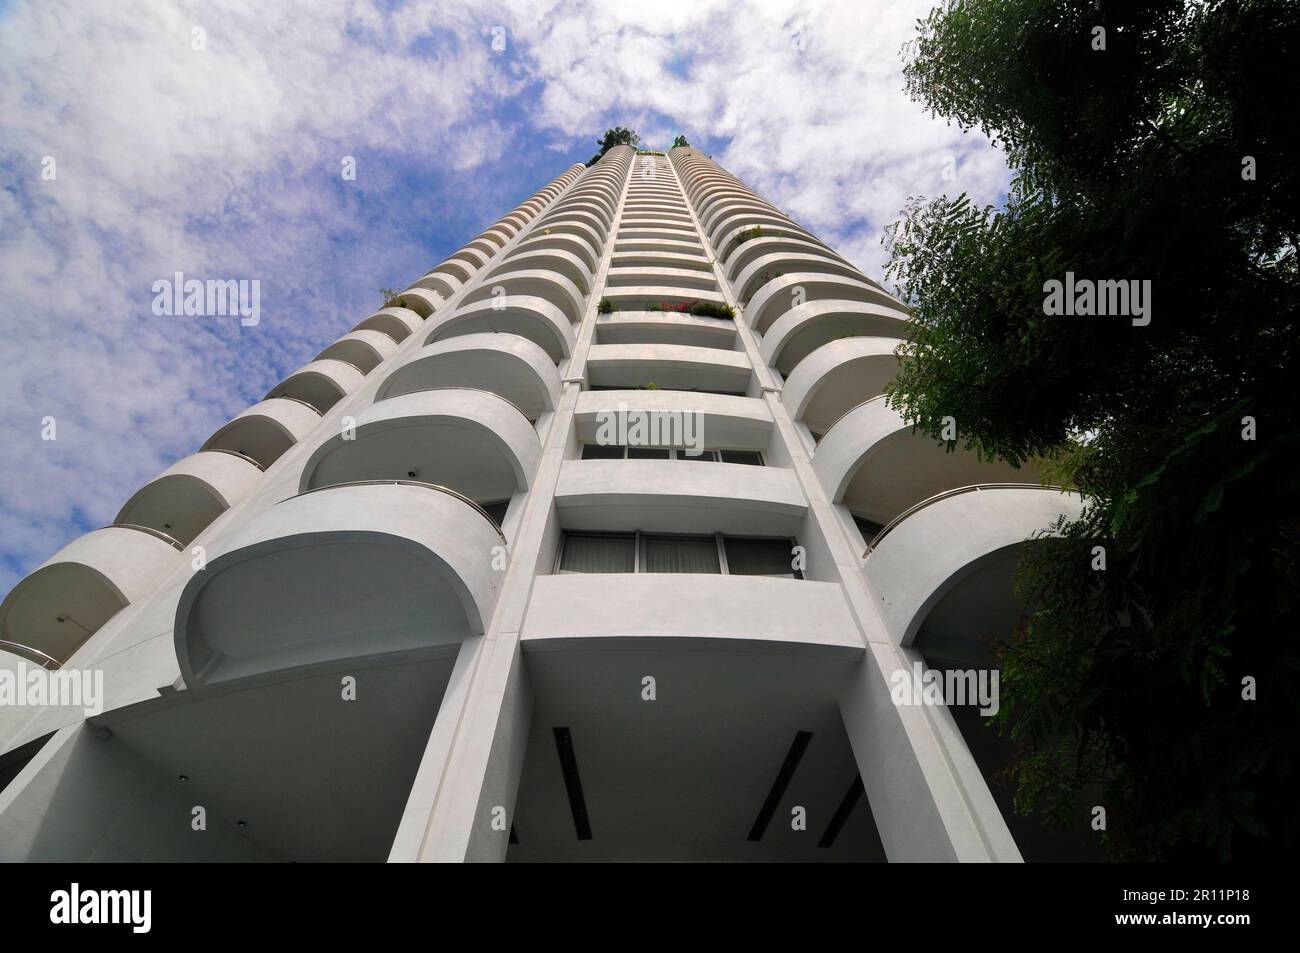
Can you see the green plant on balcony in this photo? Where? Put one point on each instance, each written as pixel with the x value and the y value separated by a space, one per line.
pixel 680 142
pixel 605 307
pixel 392 298
pixel 712 309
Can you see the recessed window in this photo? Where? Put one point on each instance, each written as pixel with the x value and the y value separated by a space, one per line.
pixel 749 457
pixel 688 390
pixel 677 553
pixel 600 451
pixel 754 556
pixel 680 554
pixel 598 552
pixel 592 451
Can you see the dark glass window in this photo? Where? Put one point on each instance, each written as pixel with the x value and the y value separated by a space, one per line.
pixel 496 510
pixel 596 451
pixel 681 554
pixel 599 553
pixel 647 453
pixel 868 528
pixel 750 457
pixel 709 456
pixel 760 557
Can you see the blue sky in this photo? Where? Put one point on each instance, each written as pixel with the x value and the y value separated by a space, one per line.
pixel 208 138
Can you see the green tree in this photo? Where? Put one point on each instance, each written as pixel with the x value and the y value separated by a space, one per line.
pixel 617 136
pixel 680 141
pixel 1149 141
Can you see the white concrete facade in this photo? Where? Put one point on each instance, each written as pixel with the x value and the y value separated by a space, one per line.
pixel 499 574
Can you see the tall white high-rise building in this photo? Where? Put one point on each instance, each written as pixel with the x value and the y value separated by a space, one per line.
pixel 601 542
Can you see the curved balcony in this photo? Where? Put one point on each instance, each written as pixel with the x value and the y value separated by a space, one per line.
pixel 590 222
pixel 265 431
pixel 397 323
pixel 766 268
pixel 517 220
pixel 662 327
pixel 750 251
pixel 348 572
pixel 794 289
pixel 673 496
pixel 837 377
pixel 486 249
pixel 668 366
pixel 538 283
pixel 507 365
pixel 364 350
pixel 423 301
pixel 455 268
pixel 577 228
pixel 739 423
pixel 736 206
pixel 575 245
pixel 186 497
pixel 470 441
pixel 735 235
pixel 802 330
pixel 542 259
pixel 535 319
pixel 873 462
pixel 497 236
pixel 942 573
pixel 472 259
pixel 321 384
pixel 72 594
pixel 741 224
pixel 595 201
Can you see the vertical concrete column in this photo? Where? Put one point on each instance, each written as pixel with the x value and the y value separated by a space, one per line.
pixel 927 794
pixel 462 804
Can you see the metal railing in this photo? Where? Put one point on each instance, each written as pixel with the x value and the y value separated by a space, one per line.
pixel 973 488
pixel 155 533
pixel 31 654
pixel 297 400
pixel 234 453
pixel 420 483
pixel 869 400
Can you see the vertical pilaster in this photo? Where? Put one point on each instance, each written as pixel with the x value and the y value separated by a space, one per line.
pixel 461 806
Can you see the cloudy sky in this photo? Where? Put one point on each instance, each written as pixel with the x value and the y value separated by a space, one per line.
pixel 138 139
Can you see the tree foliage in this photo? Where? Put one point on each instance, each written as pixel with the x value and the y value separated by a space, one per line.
pixel 1170 156
pixel 617 136
pixel 680 141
